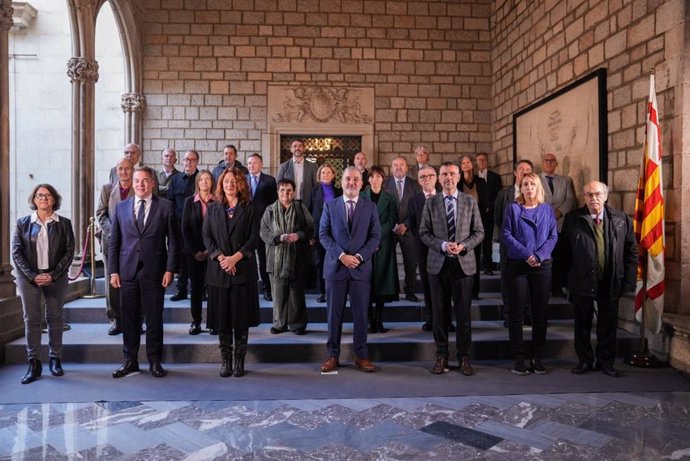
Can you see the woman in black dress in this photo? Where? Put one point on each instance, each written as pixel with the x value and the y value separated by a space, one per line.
pixel 231 232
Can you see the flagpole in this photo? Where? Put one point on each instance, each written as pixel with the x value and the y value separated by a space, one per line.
pixel 643 358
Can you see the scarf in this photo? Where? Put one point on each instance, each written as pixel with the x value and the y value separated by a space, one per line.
pixel 285 253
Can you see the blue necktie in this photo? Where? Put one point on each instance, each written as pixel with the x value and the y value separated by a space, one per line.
pixel 141 214
pixel 254 184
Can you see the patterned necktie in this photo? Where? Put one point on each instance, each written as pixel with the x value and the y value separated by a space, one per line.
pixel 141 214
pixel 254 184
pixel 550 181
pixel 350 212
pixel 450 217
pixel 399 187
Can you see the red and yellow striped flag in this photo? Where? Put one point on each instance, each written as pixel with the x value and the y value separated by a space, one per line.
pixel 649 224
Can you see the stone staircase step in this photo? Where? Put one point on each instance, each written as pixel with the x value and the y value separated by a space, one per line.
pixel 89 343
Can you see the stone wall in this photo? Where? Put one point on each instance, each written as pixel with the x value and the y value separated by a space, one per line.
pixel 209 63
pixel 540 47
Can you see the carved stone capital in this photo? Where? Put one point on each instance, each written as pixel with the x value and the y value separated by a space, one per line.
pixel 6 12
pixel 133 102
pixel 82 70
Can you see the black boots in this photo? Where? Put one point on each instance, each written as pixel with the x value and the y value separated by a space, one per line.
pixel 34 371
pixel 55 367
pixel 225 354
pixel 241 337
pixel 376 319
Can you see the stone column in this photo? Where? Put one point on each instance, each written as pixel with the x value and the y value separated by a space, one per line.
pixel 133 105
pixel 83 74
pixel 7 287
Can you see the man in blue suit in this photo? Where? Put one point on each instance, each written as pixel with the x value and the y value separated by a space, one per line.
pixel 143 260
pixel 350 233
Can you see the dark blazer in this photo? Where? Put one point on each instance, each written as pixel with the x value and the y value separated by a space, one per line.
pixel 411 188
pixel 482 193
pixel 60 247
pixel 192 225
pixel 493 187
pixel 504 197
pixel 336 238
pixel 181 186
pixel 415 208
pixel 266 192
pixel 228 237
pixel 469 231
pixel 144 254
pixel 287 170
pixel 218 170
pixel 580 252
pixel 316 205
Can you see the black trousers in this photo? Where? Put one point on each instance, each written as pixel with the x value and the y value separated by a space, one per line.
pixel 138 297
pixel 427 312
pixel 407 248
pixel 183 274
pixel 487 243
pixel 534 283
pixel 197 279
pixel 265 278
pixel 451 284
pixel 607 323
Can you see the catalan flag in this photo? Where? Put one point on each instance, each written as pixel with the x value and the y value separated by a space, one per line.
pixel 649 224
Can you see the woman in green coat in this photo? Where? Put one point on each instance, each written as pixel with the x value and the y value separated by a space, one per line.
pixel 384 283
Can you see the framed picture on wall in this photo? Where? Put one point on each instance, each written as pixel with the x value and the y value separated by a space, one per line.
pixel 572 124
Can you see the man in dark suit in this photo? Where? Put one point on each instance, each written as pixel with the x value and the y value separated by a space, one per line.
pixel 165 176
pixel 229 161
pixel 143 259
pixel 111 195
pixel 361 164
pixel 350 233
pixel 451 227
pixel 403 188
pixel 601 252
pixel 493 187
pixel 263 190
pixel 506 196
pixel 182 186
pixel 421 155
pixel 300 170
pixel 559 192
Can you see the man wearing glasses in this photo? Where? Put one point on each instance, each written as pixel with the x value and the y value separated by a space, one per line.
pixel 181 187
pixel 601 254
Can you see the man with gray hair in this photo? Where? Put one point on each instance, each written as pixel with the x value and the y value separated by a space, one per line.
pixel 600 252
pixel 168 159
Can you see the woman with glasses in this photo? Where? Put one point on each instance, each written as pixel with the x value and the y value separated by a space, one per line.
pixel 42 250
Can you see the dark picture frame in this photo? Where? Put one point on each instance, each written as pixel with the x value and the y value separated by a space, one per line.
pixel 572 124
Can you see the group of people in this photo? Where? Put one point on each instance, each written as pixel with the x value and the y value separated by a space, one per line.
pixel 211 227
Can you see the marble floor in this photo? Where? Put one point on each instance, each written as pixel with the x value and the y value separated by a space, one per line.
pixel 602 426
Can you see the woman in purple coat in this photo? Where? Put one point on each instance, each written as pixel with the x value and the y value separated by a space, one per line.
pixel 530 234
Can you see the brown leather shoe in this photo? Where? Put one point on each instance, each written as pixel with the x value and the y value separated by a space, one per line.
pixel 364 365
pixel 465 367
pixel 330 365
pixel 441 366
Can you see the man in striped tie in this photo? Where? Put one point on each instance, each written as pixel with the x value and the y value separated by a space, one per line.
pixel 451 227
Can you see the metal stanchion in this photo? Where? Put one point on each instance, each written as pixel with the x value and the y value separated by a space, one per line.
pixel 92 244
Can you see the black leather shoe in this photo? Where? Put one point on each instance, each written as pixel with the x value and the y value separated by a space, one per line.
pixel 441 366
pixel 412 297
pixel 34 371
pixel 130 366
pixel 268 296
pixel 277 331
pixel 114 329
pixel 451 328
pixel 608 370
pixel 488 272
pixel 321 299
pixel 582 368
pixel 157 370
pixel 55 367
pixel 194 329
pixel 300 332
pixel 213 332
pixel 536 367
pixel 427 326
pixel 179 296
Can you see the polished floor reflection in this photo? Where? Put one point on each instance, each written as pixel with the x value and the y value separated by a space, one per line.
pixel 625 426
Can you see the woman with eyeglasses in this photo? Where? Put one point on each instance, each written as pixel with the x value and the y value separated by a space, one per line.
pixel 231 233
pixel 42 251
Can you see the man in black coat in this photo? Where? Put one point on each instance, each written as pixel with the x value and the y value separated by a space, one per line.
pixel 601 254
pixel 229 161
pixel 493 187
pixel 262 188
pixel 182 186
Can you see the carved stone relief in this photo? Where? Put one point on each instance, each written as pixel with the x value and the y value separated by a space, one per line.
pixel 82 70
pixel 6 11
pixel 321 104
pixel 133 102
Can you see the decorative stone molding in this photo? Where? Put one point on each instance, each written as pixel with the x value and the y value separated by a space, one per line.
pixel 23 14
pixel 82 70
pixel 133 102
pixel 321 105
pixel 6 11
pixel 680 340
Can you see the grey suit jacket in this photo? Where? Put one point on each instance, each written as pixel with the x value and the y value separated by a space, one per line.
pixel 110 197
pixel 287 170
pixel 563 197
pixel 469 231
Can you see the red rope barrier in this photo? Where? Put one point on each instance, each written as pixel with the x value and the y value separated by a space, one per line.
pixel 83 257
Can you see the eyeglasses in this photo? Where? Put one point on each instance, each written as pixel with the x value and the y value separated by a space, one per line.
pixel 594 194
pixel 43 196
pixel 190 160
pixel 130 152
pixel 549 160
